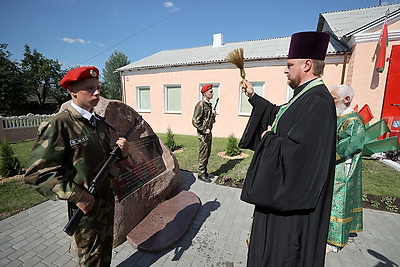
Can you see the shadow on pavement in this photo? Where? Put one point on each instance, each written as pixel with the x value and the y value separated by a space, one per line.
pixel 384 262
pixel 187 179
pixel 147 258
pixel 229 165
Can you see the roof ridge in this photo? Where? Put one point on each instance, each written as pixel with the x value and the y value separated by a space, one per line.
pixel 255 40
pixel 345 10
pixel 234 42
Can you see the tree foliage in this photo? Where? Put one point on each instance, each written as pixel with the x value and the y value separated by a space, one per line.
pixel 170 142
pixel 13 94
pixel 232 148
pixel 111 87
pixel 9 163
pixel 41 75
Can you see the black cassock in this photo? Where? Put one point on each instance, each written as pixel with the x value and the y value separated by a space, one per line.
pixel 292 173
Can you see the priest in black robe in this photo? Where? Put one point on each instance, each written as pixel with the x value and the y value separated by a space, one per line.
pixel 290 178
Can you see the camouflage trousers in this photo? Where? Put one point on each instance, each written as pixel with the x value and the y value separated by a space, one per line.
pixel 94 236
pixel 204 151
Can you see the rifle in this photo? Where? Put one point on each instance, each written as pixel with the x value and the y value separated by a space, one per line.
pixel 73 223
pixel 212 117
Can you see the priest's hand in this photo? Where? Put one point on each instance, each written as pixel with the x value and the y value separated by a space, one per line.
pixel 248 90
pixel 266 131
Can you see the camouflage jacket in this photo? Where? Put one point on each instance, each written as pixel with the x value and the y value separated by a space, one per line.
pixel 67 155
pixel 201 116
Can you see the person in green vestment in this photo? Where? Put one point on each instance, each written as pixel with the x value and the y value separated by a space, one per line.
pixel 346 214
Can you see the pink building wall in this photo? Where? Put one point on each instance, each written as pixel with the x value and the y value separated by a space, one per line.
pixel 228 119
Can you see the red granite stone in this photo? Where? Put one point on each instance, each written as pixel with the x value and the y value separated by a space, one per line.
pixel 165 224
pixel 133 209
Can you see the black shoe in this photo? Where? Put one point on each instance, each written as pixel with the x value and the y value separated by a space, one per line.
pixel 204 178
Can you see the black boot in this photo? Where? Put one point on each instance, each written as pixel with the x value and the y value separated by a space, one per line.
pixel 204 177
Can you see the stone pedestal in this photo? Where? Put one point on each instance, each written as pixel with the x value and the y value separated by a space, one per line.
pixel 165 224
pixel 130 211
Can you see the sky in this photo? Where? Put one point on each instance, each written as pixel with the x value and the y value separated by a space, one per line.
pixel 87 32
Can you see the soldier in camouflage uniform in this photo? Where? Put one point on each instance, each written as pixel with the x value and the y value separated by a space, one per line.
pixel 71 148
pixel 201 117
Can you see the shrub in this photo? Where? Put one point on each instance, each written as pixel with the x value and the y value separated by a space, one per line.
pixel 9 164
pixel 232 148
pixel 170 142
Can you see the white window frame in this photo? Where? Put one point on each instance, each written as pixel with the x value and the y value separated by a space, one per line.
pixel 166 87
pixel 243 97
pixel 138 101
pixel 289 93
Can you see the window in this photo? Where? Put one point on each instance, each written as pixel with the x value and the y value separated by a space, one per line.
pixel 289 93
pixel 215 89
pixel 172 98
pixel 143 98
pixel 244 105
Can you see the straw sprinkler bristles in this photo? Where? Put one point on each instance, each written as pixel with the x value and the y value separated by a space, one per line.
pixel 236 57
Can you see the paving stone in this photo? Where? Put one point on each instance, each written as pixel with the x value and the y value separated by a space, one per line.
pixel 216 237
pixel 34 261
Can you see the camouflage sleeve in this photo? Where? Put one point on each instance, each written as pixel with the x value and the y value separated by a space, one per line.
pixel 198 120
pixel 47 169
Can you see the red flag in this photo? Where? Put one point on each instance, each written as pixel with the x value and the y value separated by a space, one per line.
pixel 383 43
pixel 366 113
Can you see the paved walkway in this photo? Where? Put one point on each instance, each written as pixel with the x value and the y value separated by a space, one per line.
pixel 216 237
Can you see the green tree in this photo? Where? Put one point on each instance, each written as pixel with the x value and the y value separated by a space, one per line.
pixel 232 148
pixel 170 142
pixel 42 75
pixel 9 164
pixel 13 93
pixel 111 86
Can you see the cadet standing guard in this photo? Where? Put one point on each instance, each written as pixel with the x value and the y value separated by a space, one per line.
pixel 70 150
pixel 201 121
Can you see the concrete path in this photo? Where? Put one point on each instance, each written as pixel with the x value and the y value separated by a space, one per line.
pixel 216 237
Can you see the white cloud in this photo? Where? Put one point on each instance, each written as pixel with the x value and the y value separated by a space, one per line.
pixel 168 4
pixel 171 6
pixel 80 41
pixel 72 41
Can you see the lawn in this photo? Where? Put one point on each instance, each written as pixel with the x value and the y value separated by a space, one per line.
pixel 378 178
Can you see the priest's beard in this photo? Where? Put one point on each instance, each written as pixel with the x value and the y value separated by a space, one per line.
pixel 294 82
pixel 340 108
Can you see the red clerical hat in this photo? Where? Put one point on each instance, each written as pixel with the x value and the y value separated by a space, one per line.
pixel 309 45
pixel 79 74
pixel 206 87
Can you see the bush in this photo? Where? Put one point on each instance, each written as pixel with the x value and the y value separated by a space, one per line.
pixel 170 142
pixel 9 164
pixel 232 148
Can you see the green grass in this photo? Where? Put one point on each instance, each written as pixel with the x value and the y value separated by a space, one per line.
pixel 217 165
pixel 16 197
pixel 378 178
pixel 22 151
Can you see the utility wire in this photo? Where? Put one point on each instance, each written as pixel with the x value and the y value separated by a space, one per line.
pixel 148 27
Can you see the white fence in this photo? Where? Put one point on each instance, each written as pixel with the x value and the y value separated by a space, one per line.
pixel 23 121
pixel 20 128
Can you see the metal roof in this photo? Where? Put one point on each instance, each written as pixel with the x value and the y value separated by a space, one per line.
pixel 253 50
pixel 349 22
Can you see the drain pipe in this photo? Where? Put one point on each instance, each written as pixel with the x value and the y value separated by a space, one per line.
pixel 344 67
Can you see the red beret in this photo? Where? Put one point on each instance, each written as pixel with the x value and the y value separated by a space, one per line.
pixel 206 87
pixel 79 74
